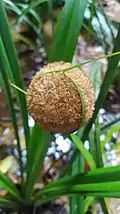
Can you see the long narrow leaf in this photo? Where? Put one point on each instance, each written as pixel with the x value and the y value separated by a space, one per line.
pixel 64 193
pixel 10 187
pixel 117 120
pixel 103 205
pixel 37 149
pixel 6 36
pixel 4 68
pixel 92 13
pixel 7 203
pixel 100 175
pixel 32 5
pixel 18 11
pixel 12 6
pixel 95 147
pixel 68 28
pixel 86 154
pixel 100 187
pixel 109 135
pixel 99 160
pixel 104 194
pixel 105 189
pixel 109 77
pixel 31 11
pixel 88 201
pixel 76 202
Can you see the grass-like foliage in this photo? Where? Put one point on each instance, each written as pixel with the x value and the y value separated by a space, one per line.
pixel 83 188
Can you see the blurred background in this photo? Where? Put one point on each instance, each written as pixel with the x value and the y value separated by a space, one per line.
pixel 32 33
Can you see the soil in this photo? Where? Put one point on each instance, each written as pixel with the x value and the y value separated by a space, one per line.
pixel 49 208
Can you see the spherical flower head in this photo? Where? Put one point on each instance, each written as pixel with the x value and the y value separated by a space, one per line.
pixel 60 102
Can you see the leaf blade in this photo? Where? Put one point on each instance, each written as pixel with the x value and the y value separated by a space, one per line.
pixel 112 65
pixel 4 202
pixel 76 202
pixel 68 27
pixel 10 187
pixel 4 67
pixel 41 139
pixel 6 37
pixel 108 174
pixel 86 154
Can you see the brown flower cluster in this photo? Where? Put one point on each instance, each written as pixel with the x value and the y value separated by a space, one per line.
pixel 55 102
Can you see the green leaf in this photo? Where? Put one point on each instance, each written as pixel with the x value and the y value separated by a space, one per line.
pixel 18 11
pixel 12 6
pixel 86 154
pixel 37 17
pixel 84 187
pixel 7 203
pixel 99 187
pixel 4 68
pixel 32 12
pixel 104 206
pixel 67 31
pixel 54 195
pixel 103 182
pixel 97 144
pixel 92 13
pixel 6 36
pixel 109 135
pixel 76 202
pixel 89 61
pixel 37 148
pixel 108 79
pixel 87 202
pixel 30 6
pixel 99 160
pixel 106 127
pixel 104 194
pixel 10 187
pixel 82 102
pixel 104 189
pixel 108 174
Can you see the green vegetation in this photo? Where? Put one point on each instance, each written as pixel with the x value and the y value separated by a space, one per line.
pixel 82 187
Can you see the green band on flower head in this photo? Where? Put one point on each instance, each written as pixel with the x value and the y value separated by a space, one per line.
pixel 82 102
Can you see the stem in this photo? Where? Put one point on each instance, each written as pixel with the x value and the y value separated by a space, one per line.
pixel 88 61
pixel 99 160
pixel 84 152
pixel 110 124
pixel 72 67
pixel 19 89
